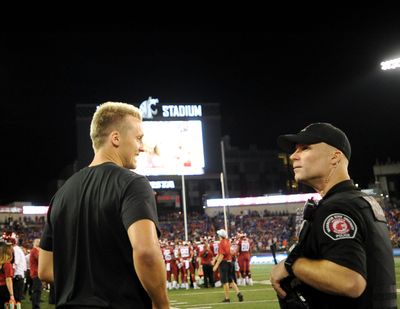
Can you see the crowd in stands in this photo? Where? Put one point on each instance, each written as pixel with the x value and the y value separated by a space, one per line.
pixel 392 213
pixel 26 228
pixel 261 228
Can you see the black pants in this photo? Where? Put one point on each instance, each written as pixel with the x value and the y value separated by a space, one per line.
pixel 18 286
pixel 28 282
pixel 36 292
pixel 227 272
pixel 274 257
pixel 52 295
pixel 4 295
pixel 208 275
pixel 273 251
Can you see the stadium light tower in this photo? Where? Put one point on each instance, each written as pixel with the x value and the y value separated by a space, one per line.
pixel 390 64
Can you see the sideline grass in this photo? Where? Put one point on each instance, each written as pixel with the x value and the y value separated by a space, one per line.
pixel 258 296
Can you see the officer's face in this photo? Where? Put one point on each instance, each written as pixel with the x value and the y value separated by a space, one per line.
pixel 311 163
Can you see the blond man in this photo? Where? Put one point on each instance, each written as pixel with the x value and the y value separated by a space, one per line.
pixel 100 243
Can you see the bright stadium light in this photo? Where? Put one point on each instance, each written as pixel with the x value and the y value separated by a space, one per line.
pixel 262 200
pixel 390 64
pixel 35 210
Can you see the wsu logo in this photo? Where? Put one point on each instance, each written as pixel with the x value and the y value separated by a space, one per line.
pixel 146 107
pixel 339 226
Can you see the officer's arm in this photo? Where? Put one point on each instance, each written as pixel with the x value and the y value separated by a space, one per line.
pixel 329 277
pixel 148 261
pixel 45 267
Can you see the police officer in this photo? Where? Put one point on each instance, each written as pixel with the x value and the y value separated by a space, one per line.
pixel 347 258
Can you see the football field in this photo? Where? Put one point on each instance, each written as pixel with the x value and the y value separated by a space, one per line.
pixel 260 295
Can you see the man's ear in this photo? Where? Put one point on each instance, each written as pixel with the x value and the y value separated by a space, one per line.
pixel 115 138
pixel 337 156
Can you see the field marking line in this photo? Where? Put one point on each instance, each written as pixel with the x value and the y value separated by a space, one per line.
pixel 219 292
pixel 194 306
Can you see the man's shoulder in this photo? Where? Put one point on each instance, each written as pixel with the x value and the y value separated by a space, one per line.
pixel 345 205
pixel 121 172
pixel 106 170
pixel 18 249
pixel 343 198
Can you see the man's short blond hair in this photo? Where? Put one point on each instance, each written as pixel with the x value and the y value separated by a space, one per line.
pixel 109 116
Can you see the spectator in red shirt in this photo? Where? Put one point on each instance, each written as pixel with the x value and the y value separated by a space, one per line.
pixel 36 282
pixel 227 269
pixel 206 257
pixel 6 274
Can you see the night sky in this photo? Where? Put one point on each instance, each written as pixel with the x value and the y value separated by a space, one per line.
pixel 268 83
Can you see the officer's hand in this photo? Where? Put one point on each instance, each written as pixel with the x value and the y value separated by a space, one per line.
pixel 277 274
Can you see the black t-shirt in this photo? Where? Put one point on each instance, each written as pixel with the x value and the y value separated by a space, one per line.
pixel 86 230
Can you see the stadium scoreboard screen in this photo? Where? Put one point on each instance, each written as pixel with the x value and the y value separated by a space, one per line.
pixel 178 138
pixel 172 148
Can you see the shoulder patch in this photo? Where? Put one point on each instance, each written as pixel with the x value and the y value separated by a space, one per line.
pixel 339 226
pixel 376 208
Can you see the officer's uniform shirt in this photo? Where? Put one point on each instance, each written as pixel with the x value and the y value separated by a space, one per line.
pixel 339 234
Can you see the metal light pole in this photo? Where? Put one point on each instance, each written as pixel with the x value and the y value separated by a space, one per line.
pixel 184 206
pixel 224 184
pixel 223 197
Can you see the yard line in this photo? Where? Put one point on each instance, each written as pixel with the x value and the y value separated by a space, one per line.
pixel 195 306
pixel 219 292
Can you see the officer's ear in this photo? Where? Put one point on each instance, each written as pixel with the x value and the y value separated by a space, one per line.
pixel 337 157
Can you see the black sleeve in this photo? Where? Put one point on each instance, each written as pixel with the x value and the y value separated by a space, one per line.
pixel 341 236
pixel 46 241
pixel 139 203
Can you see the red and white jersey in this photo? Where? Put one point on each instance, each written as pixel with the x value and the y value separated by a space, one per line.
pixel 185 252
pixel 199 248
pixel 244 246
pixel 176 252
pixel 234 248
pixel 215 247
pixel 168 254
pixel 195 249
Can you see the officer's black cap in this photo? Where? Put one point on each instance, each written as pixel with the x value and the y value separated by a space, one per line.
pixel 319 132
